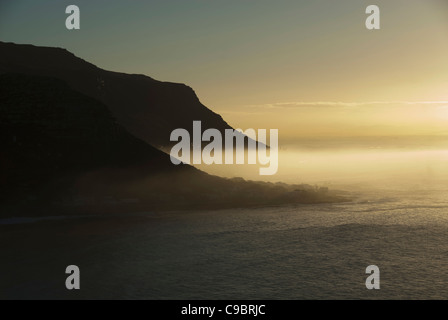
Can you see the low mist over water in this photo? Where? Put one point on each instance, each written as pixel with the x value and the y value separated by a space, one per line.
pixel 378 162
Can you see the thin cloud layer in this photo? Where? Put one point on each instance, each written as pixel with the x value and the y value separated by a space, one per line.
pixel 299 104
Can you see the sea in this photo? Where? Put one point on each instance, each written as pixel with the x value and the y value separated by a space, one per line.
pixel 287 252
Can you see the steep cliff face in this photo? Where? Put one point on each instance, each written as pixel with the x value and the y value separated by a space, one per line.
pixel 49 131
pixel 147 108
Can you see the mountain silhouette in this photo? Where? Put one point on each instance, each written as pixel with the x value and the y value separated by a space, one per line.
pixel 147 108
pixel 63 152
pixel 52 138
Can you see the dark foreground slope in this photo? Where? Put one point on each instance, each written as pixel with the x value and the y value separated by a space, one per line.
pixel 62 152
pixel 147 108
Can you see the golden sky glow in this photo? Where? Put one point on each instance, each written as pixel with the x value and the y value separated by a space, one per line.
pixel 304 67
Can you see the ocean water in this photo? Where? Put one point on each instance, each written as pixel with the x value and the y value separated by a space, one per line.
pixel 285 252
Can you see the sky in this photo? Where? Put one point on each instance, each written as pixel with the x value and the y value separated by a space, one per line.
pixel 305 67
